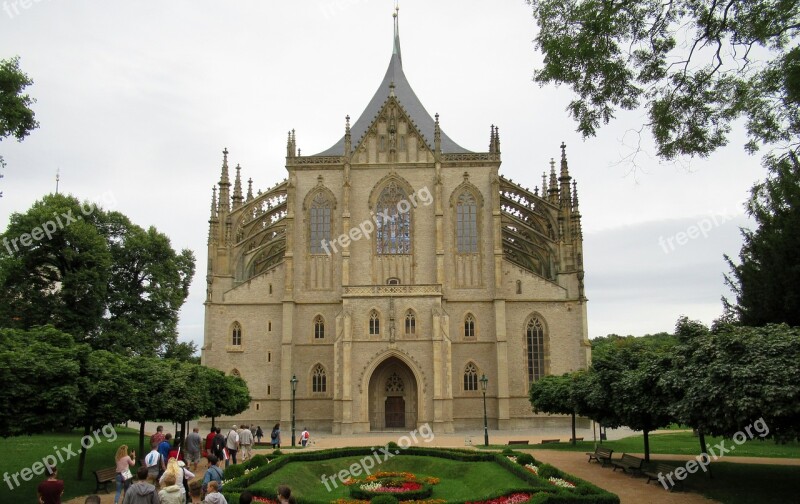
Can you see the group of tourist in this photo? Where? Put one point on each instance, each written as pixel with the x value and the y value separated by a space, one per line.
pixel 164 478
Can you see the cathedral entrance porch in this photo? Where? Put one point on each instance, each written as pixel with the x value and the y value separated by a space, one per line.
pixel 393 397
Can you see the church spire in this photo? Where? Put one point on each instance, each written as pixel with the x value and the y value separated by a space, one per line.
pixel 553 190
pixel 224 186
pixel 396 48
pixel 564 179
pixel 237 188
pixel 249 189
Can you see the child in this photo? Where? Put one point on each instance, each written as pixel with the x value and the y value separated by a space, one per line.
pixel 214 497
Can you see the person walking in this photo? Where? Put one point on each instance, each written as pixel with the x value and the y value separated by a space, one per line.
pixel 232 444
pixel 218 444
pixel 156 438
pixel 275 436
pixel 213 496
pixel 245 442
pixel 141 492
pixel 124 478
pixel 154 464
pixel 304 437
pixel 259 434
pixel 171 493
pixel 193 442
pixel 51 489
pixel 182 475
pixel 213 473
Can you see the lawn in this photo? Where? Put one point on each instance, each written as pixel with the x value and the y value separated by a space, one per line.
pixel 459 480
pixel 681 443
pixel 23 451
pixel 746 483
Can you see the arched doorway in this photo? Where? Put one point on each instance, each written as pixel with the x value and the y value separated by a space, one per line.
pixel 392 396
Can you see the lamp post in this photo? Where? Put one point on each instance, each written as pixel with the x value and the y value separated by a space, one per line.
pixel 294 390
pixel 484 382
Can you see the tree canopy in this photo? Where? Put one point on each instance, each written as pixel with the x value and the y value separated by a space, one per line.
pixel 696 67
pixel 93 274
pixel 766 281
pixel 17 119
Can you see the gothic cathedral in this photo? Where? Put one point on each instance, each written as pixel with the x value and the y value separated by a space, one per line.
pixel 385 277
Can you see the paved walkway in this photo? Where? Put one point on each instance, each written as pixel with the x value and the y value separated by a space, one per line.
pixel 630 490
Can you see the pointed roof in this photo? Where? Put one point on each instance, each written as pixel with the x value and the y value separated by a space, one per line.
pixel 405 96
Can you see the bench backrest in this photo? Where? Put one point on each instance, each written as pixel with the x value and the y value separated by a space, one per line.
pixel 605 452
pixel 631 460
pixel 109 472
pixel 664 469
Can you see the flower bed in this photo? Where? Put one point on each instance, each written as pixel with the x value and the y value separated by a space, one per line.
pixel 404 485
pixel 514 498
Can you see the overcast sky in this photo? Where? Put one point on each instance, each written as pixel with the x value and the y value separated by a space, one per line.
pixel 136 101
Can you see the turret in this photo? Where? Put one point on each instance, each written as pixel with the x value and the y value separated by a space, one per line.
pixel 237 188
pixel 224 187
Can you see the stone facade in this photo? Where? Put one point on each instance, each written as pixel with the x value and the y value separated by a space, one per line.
pixel 389 273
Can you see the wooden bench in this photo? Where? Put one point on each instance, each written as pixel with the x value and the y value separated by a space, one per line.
pixel 628 463
pixel 577 439
pixel 664 469
pixel 524 441
pixel 104 477
pixel 601 454
pixel 545 441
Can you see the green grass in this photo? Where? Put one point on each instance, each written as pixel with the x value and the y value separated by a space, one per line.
pixel 23 451
pixel 679 443
pixel 734 483
pixel 459 480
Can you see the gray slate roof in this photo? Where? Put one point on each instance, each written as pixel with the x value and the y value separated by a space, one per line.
pixel 408 100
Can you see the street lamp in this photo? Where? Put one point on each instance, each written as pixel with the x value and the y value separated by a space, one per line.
pixel 484 382
pixel 294 390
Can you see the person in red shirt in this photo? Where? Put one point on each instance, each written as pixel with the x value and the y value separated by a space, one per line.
pixel 209 441
pixel 51 489
pixel 158 437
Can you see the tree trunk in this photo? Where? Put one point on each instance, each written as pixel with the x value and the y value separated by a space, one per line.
pixel 212 422
pixel 704 449
pixel 141 451
pixel 82 460
pixel 573 428
pixel 646 445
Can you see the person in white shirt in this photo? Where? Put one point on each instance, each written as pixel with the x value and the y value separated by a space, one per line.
pixel 245 442
pixel 232 444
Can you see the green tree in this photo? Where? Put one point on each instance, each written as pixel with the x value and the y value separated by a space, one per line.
pixel 16 117
pixel 766 281
pixel 733 377
pixel 625 386
pixel 557 395
pixel 223 395
pixel 61 278
pixel 40 370
pixel 95 275
pixel 695 67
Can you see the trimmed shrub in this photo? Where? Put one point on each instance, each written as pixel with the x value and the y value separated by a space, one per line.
pixel 257 461
pixel 524 459
pixel 508 452
pixel 277 453
pixel 234 471
pixel 384 499
pixel 393 447
pixel 546 471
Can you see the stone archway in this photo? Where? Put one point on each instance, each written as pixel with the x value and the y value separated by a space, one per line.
pixel 393 397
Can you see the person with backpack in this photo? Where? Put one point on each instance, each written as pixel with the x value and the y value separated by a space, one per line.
pixel 155 464
pixel 304 437
pixel 275 437
pixel 232 444
pixel 213 473
pixel 218 445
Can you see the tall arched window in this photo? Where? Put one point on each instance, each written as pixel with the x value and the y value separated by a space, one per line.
pixel 393 221
pixel 319 223
pixel 469 326
pixel 466 224
pixel 534 335
pixel 470 377
pixel 411 323
pixel 374 323
pixel 319 381
pixel 236 334
pixel 319 327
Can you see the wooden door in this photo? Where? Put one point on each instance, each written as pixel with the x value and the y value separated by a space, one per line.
pixel 395 412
